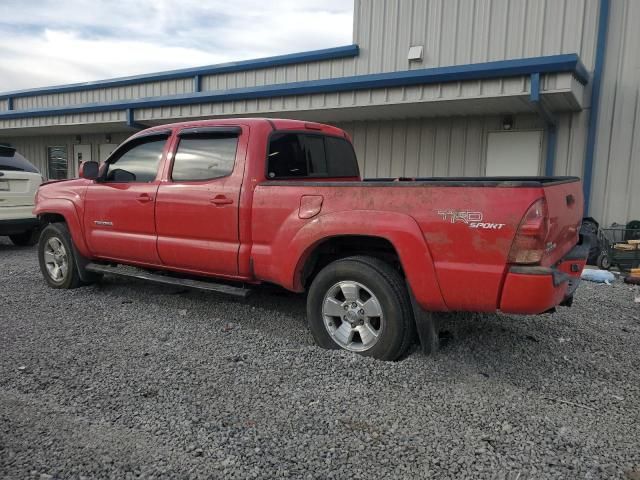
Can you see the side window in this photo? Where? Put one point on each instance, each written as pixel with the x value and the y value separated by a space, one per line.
pixel 138 163
pixel 286 157
pixel 341 159
pixel 305 155
pixel 204 157
pixel 316 155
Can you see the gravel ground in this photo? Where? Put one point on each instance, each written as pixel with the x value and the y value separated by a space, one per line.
pixel 126 380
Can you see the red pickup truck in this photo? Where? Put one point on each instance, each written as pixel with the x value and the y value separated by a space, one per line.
pixel 227 204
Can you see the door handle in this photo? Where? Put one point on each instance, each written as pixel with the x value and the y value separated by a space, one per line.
pixel 144 198
pixel 219 200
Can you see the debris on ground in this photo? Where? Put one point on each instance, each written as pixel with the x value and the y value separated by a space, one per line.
pixel 597 276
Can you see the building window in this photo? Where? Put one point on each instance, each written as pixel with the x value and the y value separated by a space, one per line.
pixel 57 163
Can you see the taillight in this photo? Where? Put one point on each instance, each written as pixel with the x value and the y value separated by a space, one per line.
pixel 529 243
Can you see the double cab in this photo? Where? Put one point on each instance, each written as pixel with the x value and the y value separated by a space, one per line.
pixel 230 204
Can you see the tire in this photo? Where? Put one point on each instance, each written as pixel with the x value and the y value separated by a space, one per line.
pixel 604 262
pixel 25 239
pixel 55 254
pixel 378 319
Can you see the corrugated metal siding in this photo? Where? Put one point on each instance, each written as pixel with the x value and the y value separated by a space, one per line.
pixel 510 94
pixel 35 148
pixel 615 194
pixel 265 76
pixel 457 32
pixel 340 67
pixel 452 146
pixel 150 89
pixel 118 117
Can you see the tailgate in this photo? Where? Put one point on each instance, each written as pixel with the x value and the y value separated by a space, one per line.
pixel 18 188
pixel 565 204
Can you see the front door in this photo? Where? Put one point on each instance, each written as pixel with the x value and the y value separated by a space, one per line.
pixel 197 208
pixel 119 216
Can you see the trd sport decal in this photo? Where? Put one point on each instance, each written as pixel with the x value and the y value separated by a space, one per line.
pixel 473 219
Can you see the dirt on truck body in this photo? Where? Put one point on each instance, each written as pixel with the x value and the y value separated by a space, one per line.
pixel 247 201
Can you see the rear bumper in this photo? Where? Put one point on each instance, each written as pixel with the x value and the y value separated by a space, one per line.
pixel 19 212
pixel 533 290
pixel 17 225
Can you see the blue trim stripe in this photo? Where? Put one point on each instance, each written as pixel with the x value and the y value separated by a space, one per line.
pixel 289 59
pixel 550 121
pixel 601 47
pixel 552 142
pixel 477 71
pixel 535 87
pixel 130 117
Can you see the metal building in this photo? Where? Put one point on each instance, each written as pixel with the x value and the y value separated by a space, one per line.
pixel 428 88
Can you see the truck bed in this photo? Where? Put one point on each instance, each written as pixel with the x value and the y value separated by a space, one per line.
pixel 436 181
pixel 468 224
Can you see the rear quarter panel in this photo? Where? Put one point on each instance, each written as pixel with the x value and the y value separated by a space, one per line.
pixel 450 264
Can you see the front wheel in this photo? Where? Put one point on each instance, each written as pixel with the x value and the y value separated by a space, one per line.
pixel 361 304
pixel 55 253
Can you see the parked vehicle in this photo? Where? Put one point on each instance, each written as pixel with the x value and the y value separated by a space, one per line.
pixel 19 181
pixel 250 201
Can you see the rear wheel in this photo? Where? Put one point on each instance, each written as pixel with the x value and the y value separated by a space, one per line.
pixel 25 239
pixel 361 304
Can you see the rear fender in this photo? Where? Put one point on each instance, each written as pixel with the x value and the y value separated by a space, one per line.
pixel 66 208
pixel 400 230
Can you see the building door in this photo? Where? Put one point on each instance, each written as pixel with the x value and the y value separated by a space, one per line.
pixel 514 153
pixel 105 149
pixel 81 153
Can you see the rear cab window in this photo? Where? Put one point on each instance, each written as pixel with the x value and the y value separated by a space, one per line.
pixel 305 155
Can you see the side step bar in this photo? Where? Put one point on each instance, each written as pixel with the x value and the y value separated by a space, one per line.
pixel 166 280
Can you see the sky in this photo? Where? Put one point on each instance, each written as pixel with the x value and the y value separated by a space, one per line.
pixel 49 42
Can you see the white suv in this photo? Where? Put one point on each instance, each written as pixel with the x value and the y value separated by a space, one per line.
pixel 19 181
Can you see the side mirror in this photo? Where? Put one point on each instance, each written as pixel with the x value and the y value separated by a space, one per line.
pixel 89 170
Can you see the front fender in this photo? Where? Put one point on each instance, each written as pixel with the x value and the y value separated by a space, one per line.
pixel 293 248
pixel 66 208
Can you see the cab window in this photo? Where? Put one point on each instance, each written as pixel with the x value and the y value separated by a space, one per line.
pixel 293 155
pixel 137 163
pixel 204 157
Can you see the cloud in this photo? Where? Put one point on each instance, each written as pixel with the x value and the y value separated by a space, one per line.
pixel 53 42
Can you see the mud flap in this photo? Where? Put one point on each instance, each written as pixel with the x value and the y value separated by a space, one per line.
pixel 427 327
pixel 81 263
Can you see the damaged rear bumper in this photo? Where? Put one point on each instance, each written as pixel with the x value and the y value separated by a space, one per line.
pixel 533 290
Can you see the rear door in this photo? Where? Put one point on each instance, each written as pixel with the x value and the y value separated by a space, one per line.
pixel 198 206
pixel 119 217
